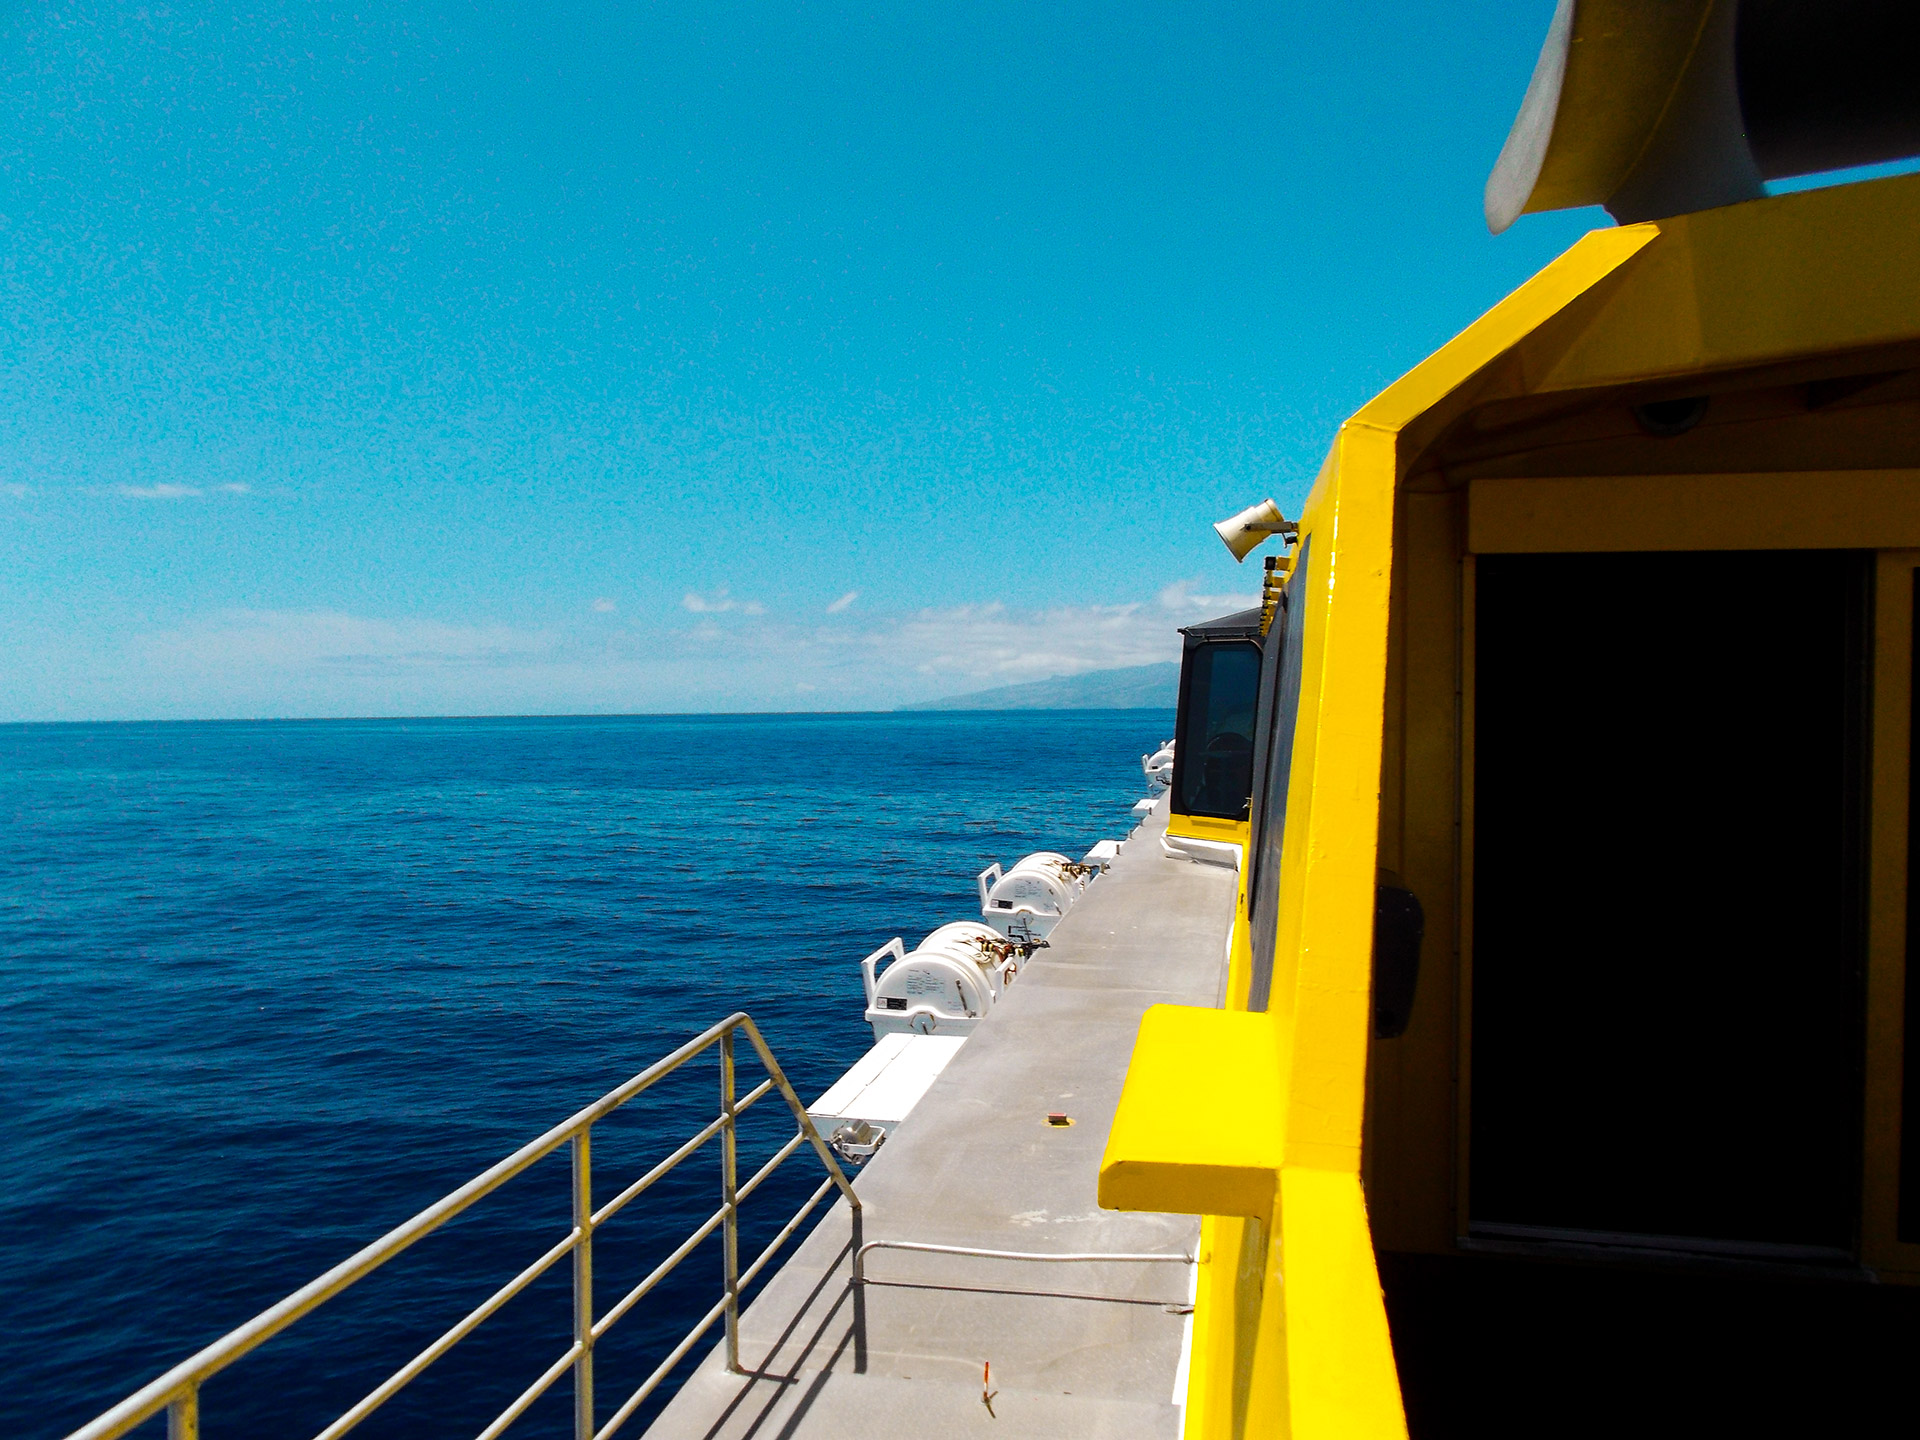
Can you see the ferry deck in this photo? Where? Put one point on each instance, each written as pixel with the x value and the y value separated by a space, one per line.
pixel 1540 1061
pixel 1084 1347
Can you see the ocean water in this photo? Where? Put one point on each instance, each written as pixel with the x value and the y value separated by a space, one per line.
pixel 266 989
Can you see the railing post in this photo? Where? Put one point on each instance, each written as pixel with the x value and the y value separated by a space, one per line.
pixel 583 1284
pixel 730 1240
pixel 183 1415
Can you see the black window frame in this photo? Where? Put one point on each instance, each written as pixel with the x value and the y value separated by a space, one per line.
pixel 1184 748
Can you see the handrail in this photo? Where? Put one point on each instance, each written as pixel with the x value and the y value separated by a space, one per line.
pixel 895 947
pixel 986 885
pixel 177 1391
pixel 1054 1256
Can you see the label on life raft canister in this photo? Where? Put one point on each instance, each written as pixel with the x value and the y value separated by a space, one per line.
pixel 925 982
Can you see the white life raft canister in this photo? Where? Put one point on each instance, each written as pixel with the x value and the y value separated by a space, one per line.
pixel 1159 765
pixel 944 986
pixel 1026 902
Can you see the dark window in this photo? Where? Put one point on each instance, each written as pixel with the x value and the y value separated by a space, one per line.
pixel 1214 758
pixel 1667 921
pixel 1280 713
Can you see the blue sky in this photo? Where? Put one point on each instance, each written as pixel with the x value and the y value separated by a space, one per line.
pixel 588 357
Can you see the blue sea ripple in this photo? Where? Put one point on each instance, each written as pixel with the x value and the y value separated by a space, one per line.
pixel 266 989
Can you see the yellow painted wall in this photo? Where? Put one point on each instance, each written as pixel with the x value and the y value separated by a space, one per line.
pixel 1328 1144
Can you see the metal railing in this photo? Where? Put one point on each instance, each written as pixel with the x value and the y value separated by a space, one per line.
pixel 178 1390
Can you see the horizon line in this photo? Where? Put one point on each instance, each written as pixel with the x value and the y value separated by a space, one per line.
pixel 916 709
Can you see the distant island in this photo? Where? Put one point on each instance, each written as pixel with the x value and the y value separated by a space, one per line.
pixel 1136 687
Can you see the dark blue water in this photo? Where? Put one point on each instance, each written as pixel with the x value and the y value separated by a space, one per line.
pixel 268 989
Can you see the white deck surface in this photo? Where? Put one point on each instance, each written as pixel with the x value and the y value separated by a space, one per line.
pixel 1077 1349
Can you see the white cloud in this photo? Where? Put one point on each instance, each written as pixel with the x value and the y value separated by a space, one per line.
pixel 317 662
pixel 604 606
pixel 1179 599
pixel 159 492
pixel 170 491
pixel 840 605
pixel 719 603
pixel 885 660
pixel 992 644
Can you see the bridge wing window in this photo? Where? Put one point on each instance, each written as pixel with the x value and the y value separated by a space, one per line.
pixel 1215 753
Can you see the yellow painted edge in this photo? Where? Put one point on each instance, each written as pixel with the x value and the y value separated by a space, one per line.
pixel 1340 1369
pixel 1239 945
pixel 1207 827
pixel 1333 895
pixel 1196 1131
pixel 1591 259
pixel 1200 1380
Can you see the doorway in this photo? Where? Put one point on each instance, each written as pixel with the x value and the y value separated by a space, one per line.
pixel 1668 904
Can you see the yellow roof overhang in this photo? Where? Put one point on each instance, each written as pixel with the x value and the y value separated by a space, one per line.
pixel 1791 278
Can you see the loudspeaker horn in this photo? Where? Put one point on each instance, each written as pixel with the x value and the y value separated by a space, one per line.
pixel 1243 533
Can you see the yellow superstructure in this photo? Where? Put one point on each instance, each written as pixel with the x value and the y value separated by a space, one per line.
pixel 1740 383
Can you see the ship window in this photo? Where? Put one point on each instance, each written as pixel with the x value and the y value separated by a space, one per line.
pixel 1280 715
pixel 1214 758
